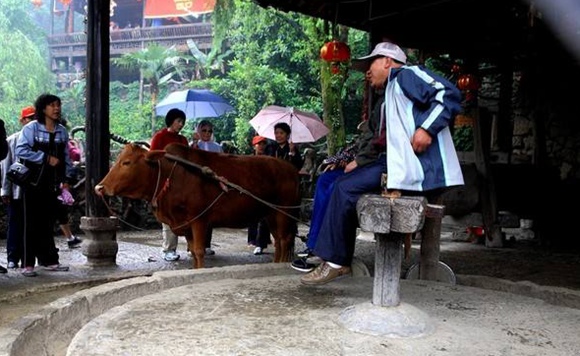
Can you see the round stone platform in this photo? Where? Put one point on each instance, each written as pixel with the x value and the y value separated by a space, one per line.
pixel 275 315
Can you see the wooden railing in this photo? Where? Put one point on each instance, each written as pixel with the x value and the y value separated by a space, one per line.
pixel 133 39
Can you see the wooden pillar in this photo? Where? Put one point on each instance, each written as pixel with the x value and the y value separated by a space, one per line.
pixel 487 195
pixel 386 288
pixel 100 246
pixel 431 236
pixel 97 104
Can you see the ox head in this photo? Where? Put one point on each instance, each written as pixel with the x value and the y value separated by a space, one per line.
pixel 131 174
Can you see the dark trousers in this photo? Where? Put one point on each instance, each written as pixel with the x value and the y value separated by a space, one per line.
pixel 336 240
pixel 40 206
pixel 324 186
pixel 208 236
pixel 259 234
pixel 15 238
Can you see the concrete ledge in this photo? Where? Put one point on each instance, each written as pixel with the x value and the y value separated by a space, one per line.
pixel 554 295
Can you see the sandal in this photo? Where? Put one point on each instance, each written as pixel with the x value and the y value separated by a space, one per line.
pixel 56 268
pixel 29 273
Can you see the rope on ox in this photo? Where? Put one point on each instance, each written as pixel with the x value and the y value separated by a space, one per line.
pixel 225 183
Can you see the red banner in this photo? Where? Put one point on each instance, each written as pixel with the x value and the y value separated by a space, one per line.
pixel 176 8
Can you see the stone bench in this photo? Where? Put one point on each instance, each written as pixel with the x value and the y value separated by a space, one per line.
pixel 390 220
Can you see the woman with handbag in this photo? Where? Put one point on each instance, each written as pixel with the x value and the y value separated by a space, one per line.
pixel 42 147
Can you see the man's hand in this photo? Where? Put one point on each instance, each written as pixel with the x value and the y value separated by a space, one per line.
pixel 350 167
pixel 421 140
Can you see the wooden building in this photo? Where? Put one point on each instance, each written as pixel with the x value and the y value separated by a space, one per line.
pixel 134 25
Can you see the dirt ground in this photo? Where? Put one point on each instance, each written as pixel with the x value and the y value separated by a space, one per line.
pixel 524 261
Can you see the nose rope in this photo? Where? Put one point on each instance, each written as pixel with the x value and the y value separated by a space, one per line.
pixel 113 213
pixel 165 187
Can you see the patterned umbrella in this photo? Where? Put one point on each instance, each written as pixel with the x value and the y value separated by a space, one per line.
pixel 305 126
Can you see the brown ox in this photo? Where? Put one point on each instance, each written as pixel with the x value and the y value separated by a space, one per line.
pixel 191 200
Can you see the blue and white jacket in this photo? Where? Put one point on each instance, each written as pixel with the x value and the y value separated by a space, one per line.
pixel 33 147
pixel 416 97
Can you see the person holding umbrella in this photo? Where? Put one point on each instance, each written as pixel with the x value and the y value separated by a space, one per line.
pixel 283 148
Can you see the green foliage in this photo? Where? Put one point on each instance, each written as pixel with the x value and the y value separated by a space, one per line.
pixel 157 65
pixel 463 138
pixel 73 104
pixel 23 71
pixel 281 69
pixel 127 119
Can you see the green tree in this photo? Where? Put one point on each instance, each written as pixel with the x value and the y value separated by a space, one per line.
pixel 285 69
pixel 24 73
pixel 157 65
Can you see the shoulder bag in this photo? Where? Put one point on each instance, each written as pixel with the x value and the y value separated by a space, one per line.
pixel 24 176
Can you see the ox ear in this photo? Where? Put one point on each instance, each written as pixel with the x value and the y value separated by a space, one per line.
pixel 154 155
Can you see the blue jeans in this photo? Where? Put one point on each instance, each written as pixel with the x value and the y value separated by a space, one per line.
pixel 336 240
pixel 324 186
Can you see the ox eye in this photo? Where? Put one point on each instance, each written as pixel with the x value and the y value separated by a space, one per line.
pixel 125 163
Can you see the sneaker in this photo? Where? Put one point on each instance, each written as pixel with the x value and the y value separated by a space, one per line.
pixel 171 256
pixel 324 274
pixel 302 265
pixel 56 268
pixel 305 253
pixel 314 260
pixel 12 265
pixel 209 251
pixel 258 251
pixel 74 242
pixel 29 272
pixel 3 269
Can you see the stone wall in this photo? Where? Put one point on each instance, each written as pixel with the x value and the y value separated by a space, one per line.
pixel 560 128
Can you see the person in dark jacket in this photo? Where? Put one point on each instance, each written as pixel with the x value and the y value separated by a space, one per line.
pixel 283 148
pixel 3 154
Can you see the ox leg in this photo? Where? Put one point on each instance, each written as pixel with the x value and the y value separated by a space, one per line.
pixel 283 231
pixel 197 245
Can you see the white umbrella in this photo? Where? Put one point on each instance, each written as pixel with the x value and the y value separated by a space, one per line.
pixel 305 126
pixel 195 103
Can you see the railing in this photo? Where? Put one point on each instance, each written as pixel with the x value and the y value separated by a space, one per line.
pixel 129 39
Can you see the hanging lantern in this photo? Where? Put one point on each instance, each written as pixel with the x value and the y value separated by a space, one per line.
pixel 36 3
pixel 65 2
pixel 455 68
pixel 467 82
pixel 335 52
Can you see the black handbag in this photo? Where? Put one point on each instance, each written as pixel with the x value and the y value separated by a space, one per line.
pixel 24 176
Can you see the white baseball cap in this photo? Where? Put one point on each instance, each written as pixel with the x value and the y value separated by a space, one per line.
pixel 383 49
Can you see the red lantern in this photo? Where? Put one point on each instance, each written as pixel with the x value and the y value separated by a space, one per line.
pixel 36 3
pixel 335 52
pixel 467 82
pixel 65 2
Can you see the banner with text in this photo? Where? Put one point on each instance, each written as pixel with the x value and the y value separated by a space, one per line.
pixel 155 9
